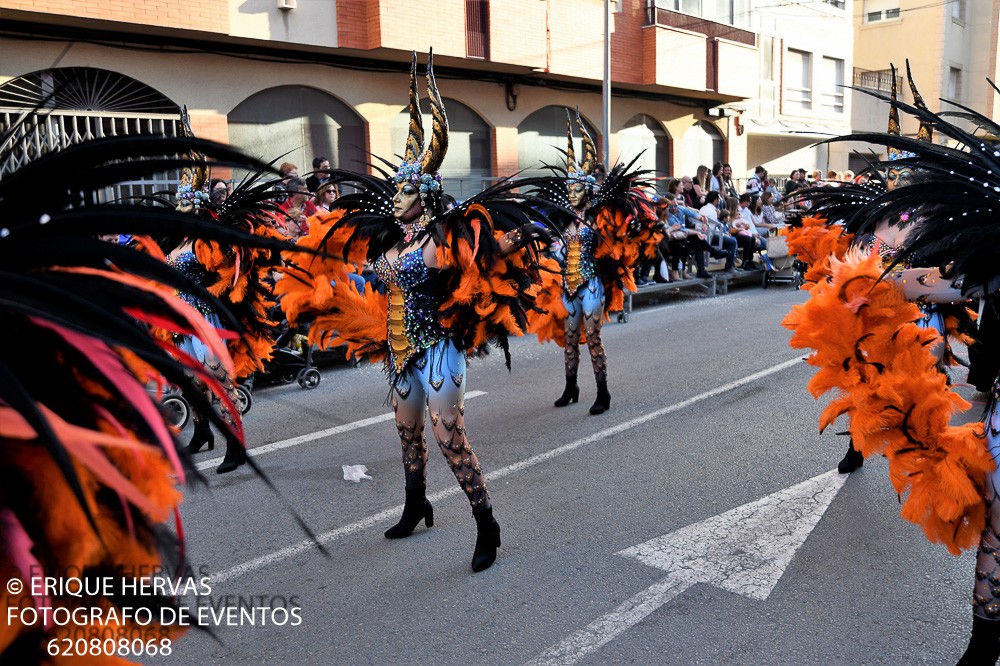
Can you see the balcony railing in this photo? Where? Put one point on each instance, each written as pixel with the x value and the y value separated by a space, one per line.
pixel 877 80
pixel 657 14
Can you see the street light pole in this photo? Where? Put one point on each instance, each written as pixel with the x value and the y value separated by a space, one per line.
pixel 606 95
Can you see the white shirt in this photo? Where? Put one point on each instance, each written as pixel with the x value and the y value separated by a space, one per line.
pixel 710 212
pixel 748 218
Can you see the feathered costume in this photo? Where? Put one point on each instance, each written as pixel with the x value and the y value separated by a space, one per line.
pixel 90 472
pixel 239 275
pixel 456 282
pixel 604 235
pixel 898 403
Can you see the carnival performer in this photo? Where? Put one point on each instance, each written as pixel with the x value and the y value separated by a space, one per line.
pixel 239 276
pixel 457 279
pixel 602 236
pixel 883 365
pixel 90 475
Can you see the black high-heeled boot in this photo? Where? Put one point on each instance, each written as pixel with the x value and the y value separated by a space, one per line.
pixel 236 455
pixel 416 508
pixel 487 539
pixel 570 394
pixel 202 436
pixel 984 646
pixel 852 460
pixel 603 402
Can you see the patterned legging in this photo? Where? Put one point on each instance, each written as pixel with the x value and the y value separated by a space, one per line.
pixel 986 598
pixel 436 379
pixel 586 307
pixel 199 350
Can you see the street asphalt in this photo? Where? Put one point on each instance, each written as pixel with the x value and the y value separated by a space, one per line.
pixel 865 587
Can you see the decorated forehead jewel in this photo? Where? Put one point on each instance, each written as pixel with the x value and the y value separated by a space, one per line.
pixel 580 173
pixel 420 167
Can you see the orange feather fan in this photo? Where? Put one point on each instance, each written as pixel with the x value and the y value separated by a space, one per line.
pixel 870 351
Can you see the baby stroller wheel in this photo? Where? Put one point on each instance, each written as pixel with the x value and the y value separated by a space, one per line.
pixel 244 399
pixel 309 378
pixel 178 411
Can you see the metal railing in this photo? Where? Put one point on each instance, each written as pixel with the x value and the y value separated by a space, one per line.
pixel 878 80
pixel 58 130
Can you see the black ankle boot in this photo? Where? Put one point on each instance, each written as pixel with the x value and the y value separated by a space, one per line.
pixel 202 436
pixel 416 508
pixel 603 402
pixel 852 460
pixel 236 455
pixel 570 394
pixel 487 539
pixel 984 646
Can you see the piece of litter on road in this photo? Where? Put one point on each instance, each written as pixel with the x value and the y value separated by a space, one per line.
pixel 355 473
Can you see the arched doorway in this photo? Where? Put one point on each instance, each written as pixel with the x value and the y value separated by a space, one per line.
pixel 467 168
pixel 644 137
pixel 81 104
pixel 542 135
pixel 703 144
pixel 296 124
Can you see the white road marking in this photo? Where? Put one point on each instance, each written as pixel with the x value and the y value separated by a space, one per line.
pixel 370 521
pixel 744 550
pixel 319 434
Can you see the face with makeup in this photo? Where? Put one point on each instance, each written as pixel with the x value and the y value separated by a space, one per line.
pixel 406 203
pixel 577 193
pixel 898 178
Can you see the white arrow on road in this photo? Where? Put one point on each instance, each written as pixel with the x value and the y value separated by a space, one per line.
pixel 744 550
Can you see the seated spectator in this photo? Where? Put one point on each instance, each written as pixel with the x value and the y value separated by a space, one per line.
pixel 715 181
pixel 297 208
pixel 696 232
pixel 746 234
pixel 796 180
pixel 757 183
pixel 728 186
pixel 218 191
pixel 690 196
pixel 848 176
pixel 816 176
pixel 770 215
pixel 756 208
pixel 717 236
pixel 287 171
pixel 702 182
pixel 320 174
pixel 326 194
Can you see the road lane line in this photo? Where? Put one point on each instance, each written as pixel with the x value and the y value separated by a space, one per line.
pixel 319 434
pixel 389 514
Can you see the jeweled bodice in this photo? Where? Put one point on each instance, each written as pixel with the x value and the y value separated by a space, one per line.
pixel 578 265
pixel 412 319
pixel 187 263
pixel 887 253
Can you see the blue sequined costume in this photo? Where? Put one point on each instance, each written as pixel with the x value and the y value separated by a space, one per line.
pixel 583 296
pixel 426 368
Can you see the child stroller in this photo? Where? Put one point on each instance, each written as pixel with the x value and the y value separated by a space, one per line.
pixel 292 359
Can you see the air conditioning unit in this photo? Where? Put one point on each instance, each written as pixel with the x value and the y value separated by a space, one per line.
pixel 285 5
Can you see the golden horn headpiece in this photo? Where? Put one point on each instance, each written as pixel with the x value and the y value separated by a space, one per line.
pixel 580 173
pixel 894 153
pixel 570 153
pixel 589 150
pixel 420 166
pixel 926 131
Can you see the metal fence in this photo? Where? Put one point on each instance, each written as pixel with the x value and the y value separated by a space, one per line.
pixel 57 130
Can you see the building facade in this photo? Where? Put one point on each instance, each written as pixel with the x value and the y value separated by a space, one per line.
pixel 951 46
